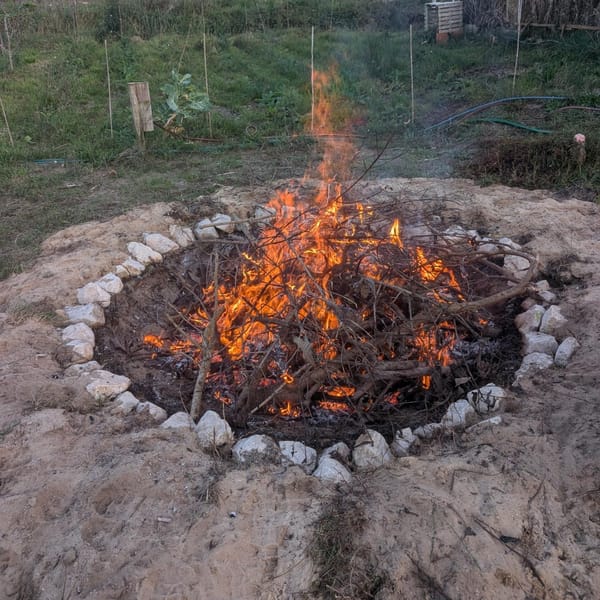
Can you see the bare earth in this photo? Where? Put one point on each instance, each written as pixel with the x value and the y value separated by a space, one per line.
pixel 100 507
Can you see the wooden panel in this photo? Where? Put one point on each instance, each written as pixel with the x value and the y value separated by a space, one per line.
pixel 444 17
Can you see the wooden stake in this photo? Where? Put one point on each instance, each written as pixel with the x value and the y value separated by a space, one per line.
pixel 519 12
pixel 412 77
pixel 8 48
pixel 10 137
pixel 312 80
pixel 141 108
pixel 110 113
pixel 210 133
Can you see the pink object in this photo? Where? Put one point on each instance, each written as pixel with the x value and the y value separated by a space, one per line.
pixel 579 138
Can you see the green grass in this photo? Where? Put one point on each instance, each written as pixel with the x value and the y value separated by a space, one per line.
pixel 57 107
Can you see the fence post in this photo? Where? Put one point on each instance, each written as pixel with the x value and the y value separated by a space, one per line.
pixel 141 108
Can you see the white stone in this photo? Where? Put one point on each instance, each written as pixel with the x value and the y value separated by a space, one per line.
pixel 455 232
pixel 530 319
pixel 296 453
pixel 111 283
pixel 371 450
pixel 125 404
pixel 548 297
pixel 403 442
pixel 80 369
pixel 256 448
pixel 264 214
pixel 487 248
pixel 332 471
pixel 143 254
pixel 531 363
pixel 156 412
pixel 565 351
pixel 213 431
pixel 459 415
pixel 184 236
pixel 78 332
pixel 534 341
pixel 429 431
pixel 122 272
pixel 505 241
pixel 488 398
pixel 205 231
pixel 223 223
pixel 339 449
pixel 133 267
pixel 106 385
pixel 90 314
pixel 159 242
pixel 517 266
pixel 541 286
pixel 79 351
pixel 553 321
pixel 528 303
pixel 92 292
pixel 180 420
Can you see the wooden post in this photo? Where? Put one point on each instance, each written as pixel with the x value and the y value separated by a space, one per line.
pixel 8 48
pixel 412 77
pixel 312 80
pixel 141 108
pixel 110 112
pixel 10 137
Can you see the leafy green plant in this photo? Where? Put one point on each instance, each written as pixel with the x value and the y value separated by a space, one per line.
pixel 183 100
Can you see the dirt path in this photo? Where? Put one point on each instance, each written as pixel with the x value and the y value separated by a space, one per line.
pixel 102 507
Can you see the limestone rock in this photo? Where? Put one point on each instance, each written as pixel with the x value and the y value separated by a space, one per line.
pixel 80 369
pixel 339 450
pixel 296 453
pixel 531 363
pixel 156 412
pixel 132 267
pixel 184 236
pixel 530 319
pixel 565 351
pixel 459 415
pixel 256 448
pixel 332 471
pixel 264 214
pixel 553 321
pixel 403 442
pixel 90 314
pixel 143 254
pixel 488 398
pixel 159 242
pixel 205 231
pixel 429 431
pixel 213 431
pixel 505 241
pixel 548 297
pixel 125 404
pixel 106 385
pixel 517 266
pixel 92 292
pixel 223 223
pixel 371 450
pixel 78 332
pixel 180 420
pixel 111 283
pixel 487 248
pixel 534 341
pixel 76 351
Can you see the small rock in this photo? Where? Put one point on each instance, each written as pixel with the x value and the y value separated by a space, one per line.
pixel 156 412
pixel 534 341
pixel 77 351
pixel 505 241
pixel 517 266
pixel 429 431
pixel 548 297
pixel 184 236
pixel 106 385
pixel 180 420
pixel 223 223
pixel 565 351
pixel 531 363
pixel 332 471
pixel 90 314
pixel 122 272
pixel 205 231
pixel 553 321
pixel 256 448
pixel 541 286
pixel 143 254
pixel 455 233
pixel 528 303
pixel 403 442
pixel 78 332
pixel 133 267
pixel 530 319
pixel 264 214
pixel 92 292
pixel 339 450
pixel 159 242
pixel 459 415
pixel 297 453
pixel 80 369
pixel 371 450
pixel 70 556
pixel 125 404
pixel 111 283
pixel 487 248
pixel 488 398
pixel 213 431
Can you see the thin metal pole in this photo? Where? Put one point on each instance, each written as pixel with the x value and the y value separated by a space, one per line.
pixel 110 112
pixel 412 77
pixel 312 80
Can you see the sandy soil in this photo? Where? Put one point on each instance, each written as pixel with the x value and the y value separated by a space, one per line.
pixel 102 507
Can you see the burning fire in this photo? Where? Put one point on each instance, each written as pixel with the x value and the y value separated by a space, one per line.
pixel 285 308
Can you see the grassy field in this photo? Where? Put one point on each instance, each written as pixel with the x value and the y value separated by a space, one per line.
pixel 59 163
